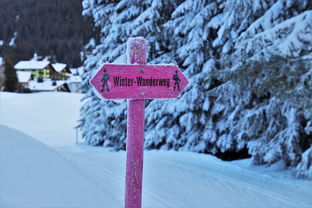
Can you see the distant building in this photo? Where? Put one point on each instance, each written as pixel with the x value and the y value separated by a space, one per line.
pixel 39 69
pixel 24 78
pixel 42 76
pixel 74 82
pixel 63 71
pixel 75 78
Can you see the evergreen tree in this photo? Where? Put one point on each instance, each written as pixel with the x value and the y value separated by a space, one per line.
pixel 2 77
pixel 271 127
pixel 250 77
pixel 267 121
pixel 118 20
pixel 49 28
pixel 11 82
pixel 180 127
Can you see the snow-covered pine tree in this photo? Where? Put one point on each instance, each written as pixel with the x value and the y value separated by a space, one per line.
pixel 179 123
pixel 234 116
pixel 104 122
pixel 277 79
pixel 91 106
pixel 200 122
pixel 232 102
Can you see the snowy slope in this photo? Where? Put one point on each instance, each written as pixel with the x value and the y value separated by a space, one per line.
pixel 63 174
pixel 34 175
pixel 50 117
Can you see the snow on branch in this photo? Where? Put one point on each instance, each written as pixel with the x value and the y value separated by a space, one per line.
pixel 290 38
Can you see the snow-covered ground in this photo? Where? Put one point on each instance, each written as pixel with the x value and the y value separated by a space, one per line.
pixel 41 166
pixel 48 117
pixel 34 175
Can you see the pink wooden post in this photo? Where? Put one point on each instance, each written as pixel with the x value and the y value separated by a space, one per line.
pixel 136 49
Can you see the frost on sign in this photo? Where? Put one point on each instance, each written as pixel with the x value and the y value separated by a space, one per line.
pixel 114 81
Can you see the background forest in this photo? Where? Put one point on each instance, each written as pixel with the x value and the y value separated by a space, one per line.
pixel 49 28
pixel 249 65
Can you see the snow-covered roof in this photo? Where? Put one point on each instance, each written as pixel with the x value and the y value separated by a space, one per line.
pixel 23 76
pixel 59 67
pixel 36 65
pixel 47 85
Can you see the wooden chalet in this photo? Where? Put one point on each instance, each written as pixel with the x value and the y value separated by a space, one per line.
pixel 40 70
pixel 63 71
pixel 24 78
pixel 42 76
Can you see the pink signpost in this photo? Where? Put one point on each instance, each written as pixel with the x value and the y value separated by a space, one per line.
pixel 137 81
pixel 135 132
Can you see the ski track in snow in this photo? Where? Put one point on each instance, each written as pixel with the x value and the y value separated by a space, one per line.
pixel 254 195
pixel 230 185
pixel 111 178
pixel 163 182
pixel 170 179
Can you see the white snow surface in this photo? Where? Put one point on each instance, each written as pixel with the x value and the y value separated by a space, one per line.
pixel 41 166
pixel 23 76
pixel 34 175
pixel 34 65
pixel 46 85
pixel 59 67
pixel 48 117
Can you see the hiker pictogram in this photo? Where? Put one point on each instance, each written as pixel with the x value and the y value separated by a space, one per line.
pixel 104 81
pixel 176 81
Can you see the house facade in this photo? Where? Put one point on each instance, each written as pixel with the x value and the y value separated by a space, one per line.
pixel 38 69
pixel 24 77
pixel 62 70
pixel 42 76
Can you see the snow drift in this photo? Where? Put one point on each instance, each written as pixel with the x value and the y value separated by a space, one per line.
pixel 33 175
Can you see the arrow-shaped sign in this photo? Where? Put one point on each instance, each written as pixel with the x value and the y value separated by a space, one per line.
pixel 117 81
